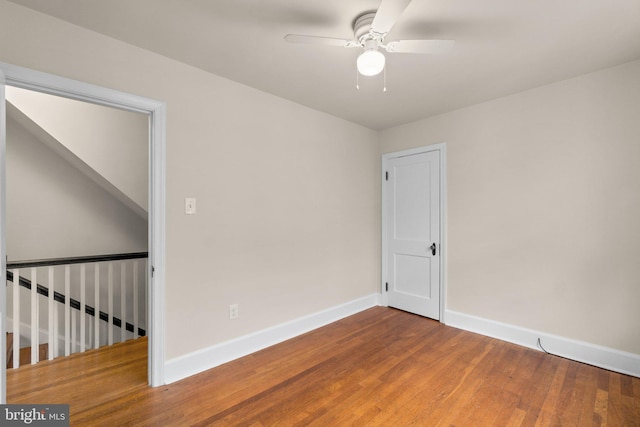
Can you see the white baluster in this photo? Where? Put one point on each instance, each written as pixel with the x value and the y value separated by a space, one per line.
pixel 67 310
pixel 56 330
pixel 52 303
pixel 74 331
pixel 135 299
pixel 90 329
pixel 123 299
pixel 83 285
pixel 16 318
pixel 110 304
pixel 35 329
pixel 96 303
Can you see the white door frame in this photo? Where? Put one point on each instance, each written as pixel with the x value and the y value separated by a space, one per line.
pixel 442 148
pixel 41 82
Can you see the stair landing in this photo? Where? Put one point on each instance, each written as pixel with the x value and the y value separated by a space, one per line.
pixel 103 374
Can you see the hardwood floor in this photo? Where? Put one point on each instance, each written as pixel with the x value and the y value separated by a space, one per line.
pixel 381 367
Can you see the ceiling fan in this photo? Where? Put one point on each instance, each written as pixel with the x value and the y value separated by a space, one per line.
pixel 369 31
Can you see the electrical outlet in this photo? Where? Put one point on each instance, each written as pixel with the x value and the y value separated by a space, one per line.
pixel 233 311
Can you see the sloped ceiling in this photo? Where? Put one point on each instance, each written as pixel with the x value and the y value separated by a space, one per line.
pixel 106 145
pixel 502 47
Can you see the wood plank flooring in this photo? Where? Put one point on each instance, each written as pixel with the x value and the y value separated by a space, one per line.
pixel 381 367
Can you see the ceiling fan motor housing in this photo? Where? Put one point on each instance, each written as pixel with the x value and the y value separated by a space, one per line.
pixel 362 28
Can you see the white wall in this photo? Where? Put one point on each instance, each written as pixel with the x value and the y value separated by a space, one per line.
pixel 288 198
pixel 54 211
pixel 543 206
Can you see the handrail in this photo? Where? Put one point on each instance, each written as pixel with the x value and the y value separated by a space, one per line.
pixel 75 304
pixel 75 260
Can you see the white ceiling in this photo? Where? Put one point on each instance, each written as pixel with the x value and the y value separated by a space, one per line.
pixel 502 47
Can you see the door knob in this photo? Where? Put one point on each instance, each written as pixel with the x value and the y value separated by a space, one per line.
pixel 433 249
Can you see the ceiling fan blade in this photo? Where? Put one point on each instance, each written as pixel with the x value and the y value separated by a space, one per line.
pixel 388 13
pixel 420 46
pixel 326 41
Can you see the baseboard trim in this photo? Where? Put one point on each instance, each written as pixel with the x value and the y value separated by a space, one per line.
pixel 592 354
pixel 202 360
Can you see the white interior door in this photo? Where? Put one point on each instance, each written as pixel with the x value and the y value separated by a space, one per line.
pixel 412 230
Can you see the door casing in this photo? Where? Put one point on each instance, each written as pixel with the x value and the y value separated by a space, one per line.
pixel 442 148
pixel 41 82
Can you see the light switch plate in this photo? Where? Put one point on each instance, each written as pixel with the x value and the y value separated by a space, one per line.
pixel 190 205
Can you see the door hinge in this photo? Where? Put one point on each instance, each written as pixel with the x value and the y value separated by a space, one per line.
pixel 386 176
pixel 386 286
pixel 153 270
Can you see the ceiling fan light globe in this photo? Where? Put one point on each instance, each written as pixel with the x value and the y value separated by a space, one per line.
pixel 370 62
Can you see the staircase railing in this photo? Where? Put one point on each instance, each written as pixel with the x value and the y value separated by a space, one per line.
pixel 94 310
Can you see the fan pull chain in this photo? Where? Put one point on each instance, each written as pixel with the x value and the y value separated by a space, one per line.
pixel 384 79
pixel 357 80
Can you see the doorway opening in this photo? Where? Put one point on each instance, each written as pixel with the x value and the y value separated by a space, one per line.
pixel 155 112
